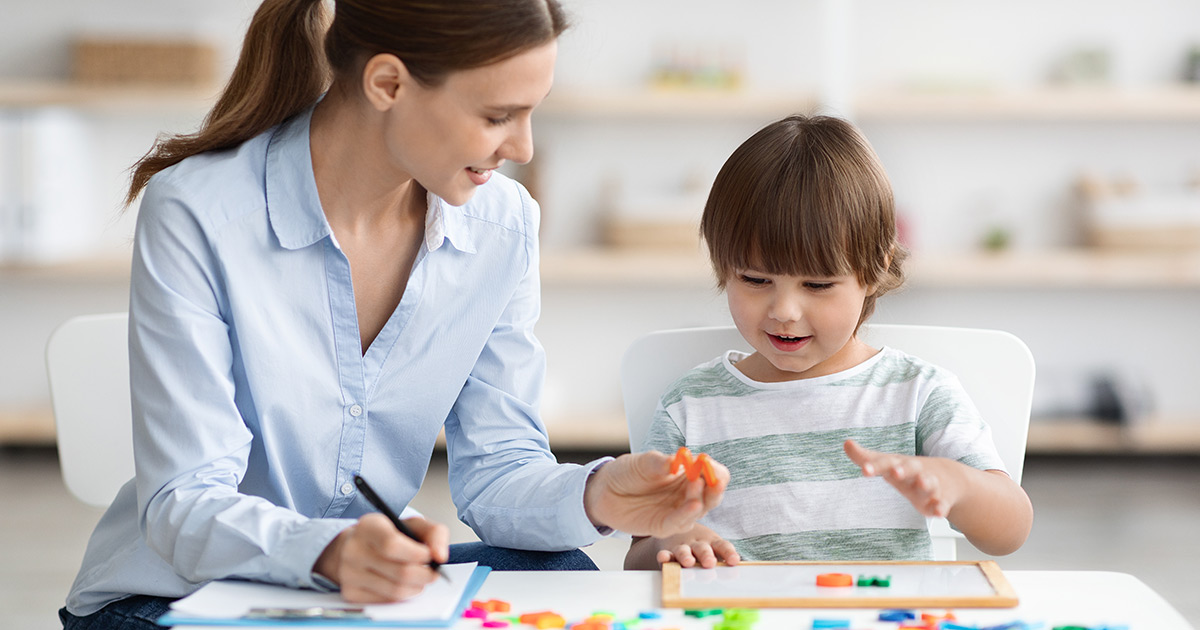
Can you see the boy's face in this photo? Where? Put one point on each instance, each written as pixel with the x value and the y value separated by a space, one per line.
pixel 800 327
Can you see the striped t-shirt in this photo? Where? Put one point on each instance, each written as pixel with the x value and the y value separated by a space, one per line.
pixel 793 493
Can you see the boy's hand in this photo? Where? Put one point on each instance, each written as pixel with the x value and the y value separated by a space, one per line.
pixel 915 477
pixel 700 546
pixel 638 494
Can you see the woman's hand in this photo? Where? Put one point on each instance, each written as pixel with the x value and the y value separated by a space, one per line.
pixel 639 494
pixel 374 563
pixel 917 478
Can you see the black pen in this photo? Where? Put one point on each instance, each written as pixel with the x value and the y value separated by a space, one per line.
pixel 374 499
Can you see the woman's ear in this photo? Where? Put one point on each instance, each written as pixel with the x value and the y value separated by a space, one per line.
pixel 385 79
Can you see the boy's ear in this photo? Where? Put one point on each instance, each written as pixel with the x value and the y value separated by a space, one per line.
pixel 385 80
pixel 887 264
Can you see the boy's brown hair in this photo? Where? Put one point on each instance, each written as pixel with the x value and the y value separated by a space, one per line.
pixel 805 196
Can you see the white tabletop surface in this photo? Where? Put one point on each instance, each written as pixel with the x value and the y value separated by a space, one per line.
pixel 1095 599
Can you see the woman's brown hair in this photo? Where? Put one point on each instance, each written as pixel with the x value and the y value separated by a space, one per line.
pixel 805 196
pixel 294 52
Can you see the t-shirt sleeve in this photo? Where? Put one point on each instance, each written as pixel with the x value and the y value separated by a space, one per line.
pixel 949 425
pixel 664 435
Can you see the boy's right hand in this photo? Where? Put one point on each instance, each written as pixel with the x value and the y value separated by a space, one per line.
pixel 700 546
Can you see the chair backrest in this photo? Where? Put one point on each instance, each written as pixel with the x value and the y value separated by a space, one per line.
pixel 87 363
pixel 995 367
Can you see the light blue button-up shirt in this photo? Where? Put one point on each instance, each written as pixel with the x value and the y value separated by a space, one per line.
pixel 254 406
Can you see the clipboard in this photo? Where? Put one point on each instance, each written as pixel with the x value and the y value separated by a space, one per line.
pixel 282 606
pixel 963 584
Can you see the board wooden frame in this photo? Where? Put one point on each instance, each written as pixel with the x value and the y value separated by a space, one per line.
pixel 1003 594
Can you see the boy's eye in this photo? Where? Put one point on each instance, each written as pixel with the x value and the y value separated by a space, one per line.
pixel 499 121
pixel 754 280
pixel 818 286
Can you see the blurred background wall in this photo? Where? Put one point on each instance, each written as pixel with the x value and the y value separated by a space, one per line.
pixel 1045 159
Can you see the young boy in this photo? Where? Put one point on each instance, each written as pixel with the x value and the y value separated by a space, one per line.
pixel 837 450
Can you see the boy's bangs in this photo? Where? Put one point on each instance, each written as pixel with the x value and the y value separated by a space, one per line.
pixel 794 235
pixel 800 249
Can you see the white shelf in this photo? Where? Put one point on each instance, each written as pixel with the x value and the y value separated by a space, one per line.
pixel 29 426
pixel 36 94
pixel 1157 436
pixel 1037 270
pixel 1166 103
pixel 634 268
pixel 108 269
pixel 1066 268
pixel 607 432
pixel 1162 103
pixel 680 103
pixel 625 268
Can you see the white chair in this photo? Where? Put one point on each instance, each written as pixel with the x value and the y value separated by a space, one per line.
pixel 87 363
pixel 995 367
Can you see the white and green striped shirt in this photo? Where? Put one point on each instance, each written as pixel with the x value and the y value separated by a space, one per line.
pixel 793 493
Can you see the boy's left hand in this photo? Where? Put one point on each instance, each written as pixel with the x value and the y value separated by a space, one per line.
pixel 915 477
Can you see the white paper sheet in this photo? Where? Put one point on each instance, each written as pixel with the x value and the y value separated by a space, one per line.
pixel 230 599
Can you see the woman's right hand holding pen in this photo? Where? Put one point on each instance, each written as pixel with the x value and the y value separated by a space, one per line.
pixel 373 562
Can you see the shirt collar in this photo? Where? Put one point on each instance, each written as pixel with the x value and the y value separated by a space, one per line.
pixel 294 207
pixel 444 222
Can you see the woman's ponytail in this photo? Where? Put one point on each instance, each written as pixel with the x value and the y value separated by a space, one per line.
pixel 281 70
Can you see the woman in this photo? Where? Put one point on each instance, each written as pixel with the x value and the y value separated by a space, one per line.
pixel 327 274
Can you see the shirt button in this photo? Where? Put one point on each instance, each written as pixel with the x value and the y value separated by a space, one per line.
pixel 355 410
pixel 347 488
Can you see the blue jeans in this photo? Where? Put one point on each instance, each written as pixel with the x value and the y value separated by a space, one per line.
pixel 139 611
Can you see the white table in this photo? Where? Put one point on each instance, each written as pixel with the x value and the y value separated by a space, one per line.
pixel 1050 598
pixel 1055 598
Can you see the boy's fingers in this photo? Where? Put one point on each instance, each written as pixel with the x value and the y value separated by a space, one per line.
pixel 683 555
pixel 893 471
pixel 856 453
pixel 862 457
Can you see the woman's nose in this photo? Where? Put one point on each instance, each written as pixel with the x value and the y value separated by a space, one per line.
pixel 519 145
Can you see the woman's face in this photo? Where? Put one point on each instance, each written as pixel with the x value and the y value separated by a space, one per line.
pixel 451 137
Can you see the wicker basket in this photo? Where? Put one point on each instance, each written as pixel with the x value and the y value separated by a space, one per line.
pixel 148 62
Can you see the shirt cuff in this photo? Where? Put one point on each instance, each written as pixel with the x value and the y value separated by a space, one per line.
pixel 323 584
pixel 603 530
pixel 304 549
